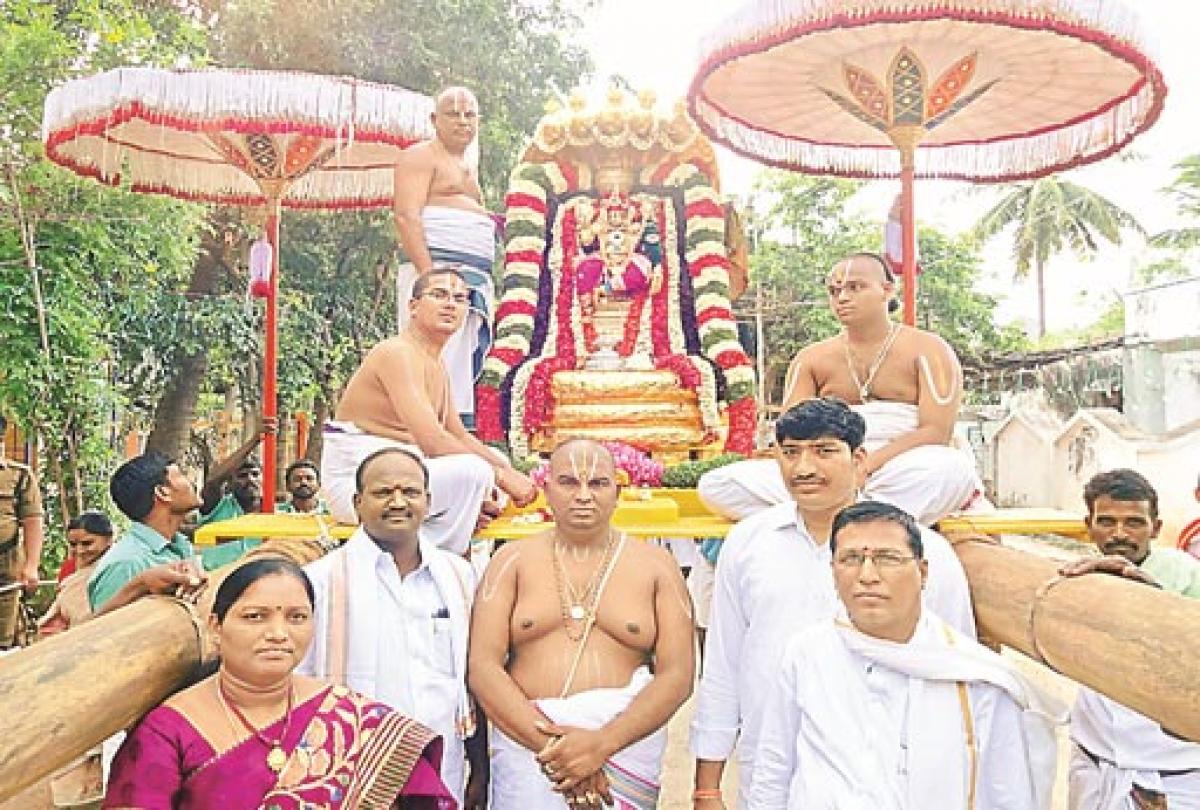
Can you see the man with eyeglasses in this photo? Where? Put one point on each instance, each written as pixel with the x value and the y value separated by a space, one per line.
pixel 440 217
pixel 400 397
pixel 887 707
pixel 773 579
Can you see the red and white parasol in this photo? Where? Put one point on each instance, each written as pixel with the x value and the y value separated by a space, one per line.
pixel 982 90
pixel 239 137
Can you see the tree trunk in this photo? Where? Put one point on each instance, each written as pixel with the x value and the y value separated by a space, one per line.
pixel 176 409
pixel 1041 291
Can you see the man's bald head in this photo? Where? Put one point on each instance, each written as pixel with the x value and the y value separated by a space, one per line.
pixel 855 275
pixel 455 118
pixel 453 99
pixel 581 487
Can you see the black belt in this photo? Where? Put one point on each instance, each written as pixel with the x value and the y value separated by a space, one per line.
pixel 1097 760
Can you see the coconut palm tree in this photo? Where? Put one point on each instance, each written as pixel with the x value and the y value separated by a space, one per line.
pixel 1186 191
pixel 1052 214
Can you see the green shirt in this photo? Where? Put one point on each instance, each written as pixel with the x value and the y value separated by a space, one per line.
pixel 224 553
pixel 139 548
pixel 1175 570
pixel 286 508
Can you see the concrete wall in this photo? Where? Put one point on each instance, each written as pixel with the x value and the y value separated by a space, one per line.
pixel 1162 355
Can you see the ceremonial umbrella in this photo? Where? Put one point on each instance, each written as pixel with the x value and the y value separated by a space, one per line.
pixel 241 137
pixel 982 90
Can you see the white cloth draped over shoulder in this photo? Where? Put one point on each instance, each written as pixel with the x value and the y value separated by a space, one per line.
pixel 458 484
pixel 633 772
pixel 928 482
pixel 859 723
pixel 466 239
pixel 772 581
pixel 401 642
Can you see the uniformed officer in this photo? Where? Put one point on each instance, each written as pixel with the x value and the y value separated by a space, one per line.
pixel 21 537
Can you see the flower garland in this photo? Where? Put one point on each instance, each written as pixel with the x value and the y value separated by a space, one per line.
pixel 687 328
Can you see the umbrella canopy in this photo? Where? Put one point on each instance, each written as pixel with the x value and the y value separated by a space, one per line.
pixel 983 90
pixel 239 137
pixel 220 135
pixel 997 90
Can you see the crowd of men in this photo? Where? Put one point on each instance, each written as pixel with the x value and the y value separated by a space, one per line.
pixel 840 668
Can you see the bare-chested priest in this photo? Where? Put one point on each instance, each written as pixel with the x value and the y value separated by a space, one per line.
pixel 400 396
pixel 566 626
pixel 906 383
pixel 440 218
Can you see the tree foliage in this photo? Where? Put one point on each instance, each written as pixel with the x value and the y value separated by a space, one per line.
pixel 1051 215
pixel 806 231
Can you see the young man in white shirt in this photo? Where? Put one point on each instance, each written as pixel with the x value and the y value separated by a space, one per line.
pixel 773 579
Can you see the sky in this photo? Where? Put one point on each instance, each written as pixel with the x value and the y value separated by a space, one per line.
pixel 655 44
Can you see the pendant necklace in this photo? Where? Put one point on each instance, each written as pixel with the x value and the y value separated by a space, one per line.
pixel 864 386
pixel 276 758
pixel 576 607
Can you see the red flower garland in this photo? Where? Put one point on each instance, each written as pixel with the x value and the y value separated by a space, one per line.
pixel 537 394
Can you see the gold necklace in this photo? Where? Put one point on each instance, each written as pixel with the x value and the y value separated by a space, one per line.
pixel 276 758
pixel 864 386
pixel 578 607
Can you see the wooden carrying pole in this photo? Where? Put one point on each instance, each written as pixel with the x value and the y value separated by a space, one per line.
pixel 1129 641
pixel 66 694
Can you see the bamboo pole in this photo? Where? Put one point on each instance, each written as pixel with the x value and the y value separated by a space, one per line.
pixel 1131 642
pixel 64 695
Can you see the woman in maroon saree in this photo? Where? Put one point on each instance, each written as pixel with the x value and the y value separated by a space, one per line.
pixel 256 736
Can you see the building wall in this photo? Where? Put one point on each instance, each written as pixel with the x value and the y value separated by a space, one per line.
pixel 1162 359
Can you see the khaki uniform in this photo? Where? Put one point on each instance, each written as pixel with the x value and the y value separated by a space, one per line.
pixel 19 499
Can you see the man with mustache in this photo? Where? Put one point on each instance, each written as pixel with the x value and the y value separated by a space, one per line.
pixel 303 481
pixel 440 217
pixel 871 710
pixel 774 579
pixel 391 616
pixel 1122 760
pixel 905 382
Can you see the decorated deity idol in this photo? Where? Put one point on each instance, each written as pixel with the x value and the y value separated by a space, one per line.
pixel 621 255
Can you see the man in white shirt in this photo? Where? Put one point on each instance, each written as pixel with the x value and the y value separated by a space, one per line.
pixel 887 707
pixel 392 614
pixel 1123 760
pixel 773 580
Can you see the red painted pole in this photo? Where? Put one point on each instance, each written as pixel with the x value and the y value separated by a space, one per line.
pixel 909 229
pixel 270 352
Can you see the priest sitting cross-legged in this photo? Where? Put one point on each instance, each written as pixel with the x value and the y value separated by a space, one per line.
pixel 400 397
pixel 581 650
pixel 906 383
pixel 887 707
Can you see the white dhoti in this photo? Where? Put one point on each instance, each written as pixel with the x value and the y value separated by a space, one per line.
pixel 928 482
pixel 467 240
pixel 458 484
pixel 1115 749
pixel 519 784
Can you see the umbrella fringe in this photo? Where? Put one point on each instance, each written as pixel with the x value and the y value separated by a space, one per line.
pixel 139 126
pixel 1021 155
pixel 1017 158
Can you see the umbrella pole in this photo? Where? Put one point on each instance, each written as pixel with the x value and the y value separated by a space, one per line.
pixel 909 231
pixel 270 358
